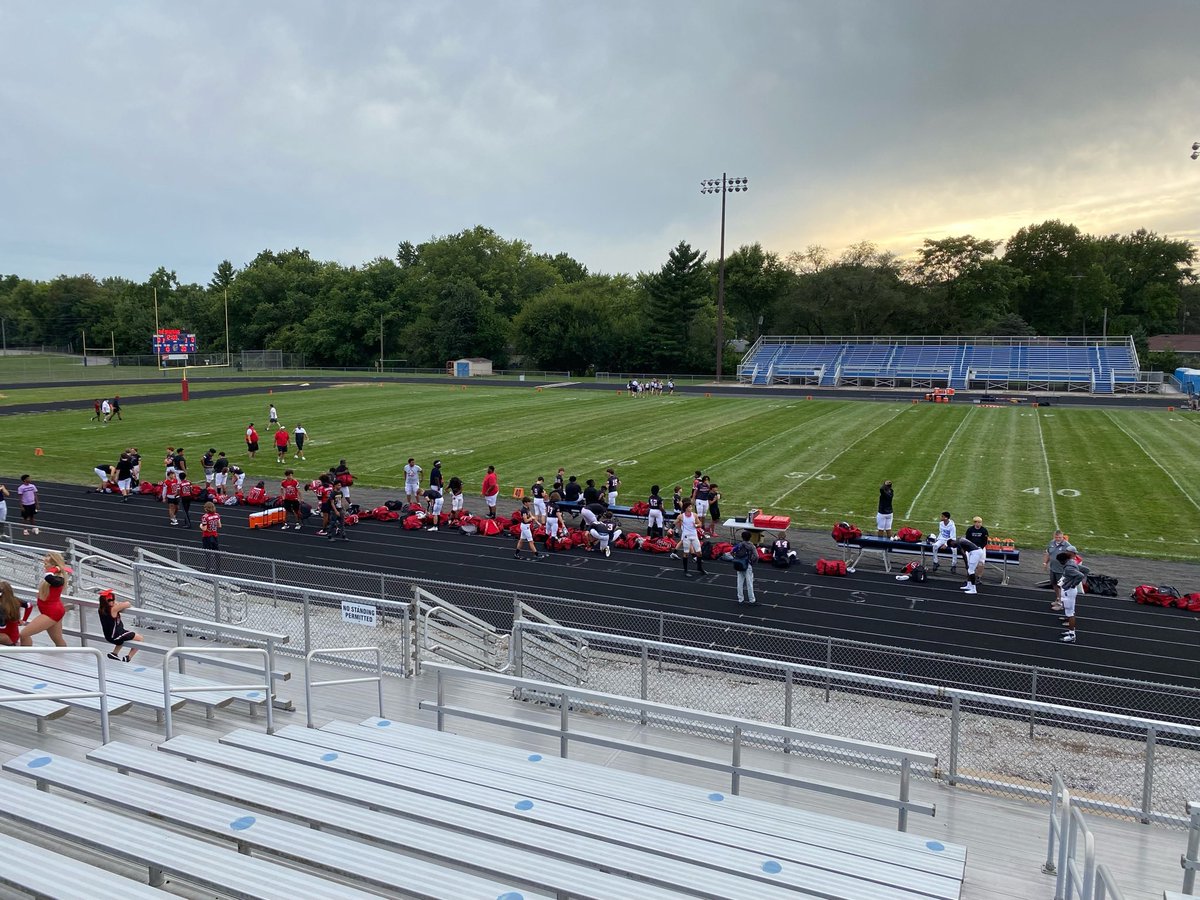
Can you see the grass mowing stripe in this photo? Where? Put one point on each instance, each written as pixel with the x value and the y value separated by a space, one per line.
pixel 1152 459
pixel 801 482
pixel 937 462
pixel 1049 480
pixel 773 439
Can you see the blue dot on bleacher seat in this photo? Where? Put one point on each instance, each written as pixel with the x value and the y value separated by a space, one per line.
pixel 329 757
pixel 935 846
pixel 383 723
pixel 139 668
pixel 523 805
pixel 254 695
pixel 511 895
pixel 716 798
pixel 40 686
pixel 771 867
pixel 243 823
pixel 535 757
pixel 38 761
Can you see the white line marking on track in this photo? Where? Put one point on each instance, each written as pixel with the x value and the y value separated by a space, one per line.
pixel 1150 456
pixel 1049 482
pixel 937 462
pixel 838 456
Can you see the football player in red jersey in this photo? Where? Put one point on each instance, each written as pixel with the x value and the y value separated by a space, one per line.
pixel 289 488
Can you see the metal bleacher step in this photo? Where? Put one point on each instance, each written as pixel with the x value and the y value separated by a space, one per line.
pixel 23 683
pixel 25 869
pixel 34 667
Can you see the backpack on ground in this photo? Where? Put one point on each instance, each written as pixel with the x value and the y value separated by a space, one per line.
pixel 844 531
pixel 831 567
pixel 1103 585
pixel 1155 595
pixel 490 527
pixel 916 572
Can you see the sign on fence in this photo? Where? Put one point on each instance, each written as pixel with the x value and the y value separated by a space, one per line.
pixel 359 613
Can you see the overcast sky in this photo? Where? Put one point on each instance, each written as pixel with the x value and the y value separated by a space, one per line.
pixel 135 135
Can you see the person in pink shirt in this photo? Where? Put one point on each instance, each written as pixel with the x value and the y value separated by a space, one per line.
pixel 28 493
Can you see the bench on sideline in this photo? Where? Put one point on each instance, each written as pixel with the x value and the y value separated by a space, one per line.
pixel 853 550
pixel 573 506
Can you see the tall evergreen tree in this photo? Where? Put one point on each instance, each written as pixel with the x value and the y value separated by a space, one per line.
pixel 677 293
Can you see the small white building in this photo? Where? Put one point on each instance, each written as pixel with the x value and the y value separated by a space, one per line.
pixel 475 365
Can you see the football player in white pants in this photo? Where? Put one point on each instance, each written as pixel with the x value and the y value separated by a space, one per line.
pixel 947 536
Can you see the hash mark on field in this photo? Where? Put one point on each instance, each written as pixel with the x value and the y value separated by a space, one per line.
pixel 833 459
pixel 1150 456
pixel 1049 482
pixel 937 462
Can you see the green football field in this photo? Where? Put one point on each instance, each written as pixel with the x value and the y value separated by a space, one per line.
pixel 1118 481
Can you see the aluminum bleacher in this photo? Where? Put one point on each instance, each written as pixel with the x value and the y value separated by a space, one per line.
pixel 1098 365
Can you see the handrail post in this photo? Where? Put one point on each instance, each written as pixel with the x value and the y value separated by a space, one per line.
pixel 1189 860
pixel 1033 686
pixel 406 640
pixel 955 732
pixel 168 724
pixel 517 648
pixel 735 780
pixel 564 725
pixel 441 701
pixel 828 666
pixel 905 779
pixel 1049 867
pixel 788 697
pixel 416 626
pixel 307 622
pixel 308 705
pixel 1148 775
pixel 645 687
pixel 179 635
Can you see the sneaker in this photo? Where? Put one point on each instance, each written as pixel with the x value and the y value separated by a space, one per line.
pixel 322 533
pixel 971 590
pixel 432 528
pixel 936 566
pixel 954 570
pixel 26 532
pixel 608 551
pixel 1056 607
pixel 1068 637
pixel 35 530
pixel 174 521
pixel 673 555
pixel 285 526
pixel 964 586
pixel 297 527
pixel 516 555
pixel 114 656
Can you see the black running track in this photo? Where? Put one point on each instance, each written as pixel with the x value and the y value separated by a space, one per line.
pixel 999 624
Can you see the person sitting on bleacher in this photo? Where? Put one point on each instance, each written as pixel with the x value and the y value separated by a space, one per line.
pixel 114 629
pixel 782 554
pixel 946 537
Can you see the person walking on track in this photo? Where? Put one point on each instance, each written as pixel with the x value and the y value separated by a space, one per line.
pixel 210 529
pixel 689 539
pixel 745 555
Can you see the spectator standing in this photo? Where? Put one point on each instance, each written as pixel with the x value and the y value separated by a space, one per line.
pixel 170 496
pixel 412 482
pixel 654 518
pixel 325 491
pixel 883 518
pixel 49 602
pixel 435 475
pixel 554 522
pixel 220 473
pixel 573 491
pixel 591 493
pixel 973 555
pixel 745 555
pixel 251 440
pixel 289 489
pixel 978 535
pixel 560 481
pixel 179 462
pixel 206 462
pixel 525 535
pixel 456 495
pixel 185 499
pixel 136 459
pixel 702 499
pixel 538 493
pixel 125 475
pixel 1058 545
pixel 677 499
pixel 344 480
pixel 1072 578
pixel 947 536
pixel 611 485
pixel 169 462
pixel 27 492
pixel 338 507
pixel 116 407
pixel 489 490
pixel 300 436
pixel 281 445
pixel 689 538
pixel 210 530
pixel 114 629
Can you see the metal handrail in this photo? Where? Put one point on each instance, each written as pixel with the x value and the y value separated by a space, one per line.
pixel 1060 802
pixel 1106 885
pixel 309 684
pixel 101 692
pixel 567 696
pixel 1190 861
pixel 168 691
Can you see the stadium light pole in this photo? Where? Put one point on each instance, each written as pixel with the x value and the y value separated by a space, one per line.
pixel 723 186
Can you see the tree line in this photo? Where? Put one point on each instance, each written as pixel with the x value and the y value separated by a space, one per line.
pixel 476 293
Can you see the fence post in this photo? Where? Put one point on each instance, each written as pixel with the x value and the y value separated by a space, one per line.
pixel 216 601
pixel 1033 696
pixel 180 633
pixel 787 707
pixel 516 601
pixel 137 586
pixel 518 650
pixel 563 724
pixel 274 585
pixel 405 637
pixel 441 702
pixel 955 724
pixel 416 626
pixel 1148 775
pixel 307 624
pixel 828 665
pixel 662 629
pixel 645 691
pixel 905 779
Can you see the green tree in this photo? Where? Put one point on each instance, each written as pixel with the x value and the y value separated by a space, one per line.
pixel 677 295
pixel 755 280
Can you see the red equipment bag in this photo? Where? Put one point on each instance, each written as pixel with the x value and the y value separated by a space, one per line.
pixel 381 513
pixel 910 535
pixel 658 545
pixel 147 487
pixel 562 542
pixel 490 527
pixel 345 478
pixel 641 508
pixel 628 541
pixel 765 555
pixel 844 531
pixel 412 523
pixel 578 538
pixel 352 518
pixel 719 550
pixel 831 567
pixel 1193 602
pixel 1154 595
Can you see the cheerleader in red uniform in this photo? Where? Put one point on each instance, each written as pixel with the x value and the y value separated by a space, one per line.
pixel 10 616
pixel 49 603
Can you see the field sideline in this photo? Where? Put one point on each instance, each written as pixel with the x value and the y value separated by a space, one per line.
pixel 1118 481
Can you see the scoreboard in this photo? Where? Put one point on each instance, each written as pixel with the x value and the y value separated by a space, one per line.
pixel 169 341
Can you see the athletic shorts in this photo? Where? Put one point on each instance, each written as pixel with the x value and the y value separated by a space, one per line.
pixel 437 505
pixel 28 511
pixel 654 518
pixel 690 544
pixel 701 509
pixel 883 522
pixel 975 559
pixel 491 501
pixel 526 533
pixel 292 506
pixel 251 446
pixel 552 527
pixel 539 507
pixel 1068 599
pixel 101 474
pixel 612 498
pixel 123 484
pixel 456 502
pixel 119 639
pixel 412 487
pixel 281 448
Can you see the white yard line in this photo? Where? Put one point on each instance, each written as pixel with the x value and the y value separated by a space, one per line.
pixel 1150 456
pixel 1049 483
pixel 799 484
pixel 937 462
